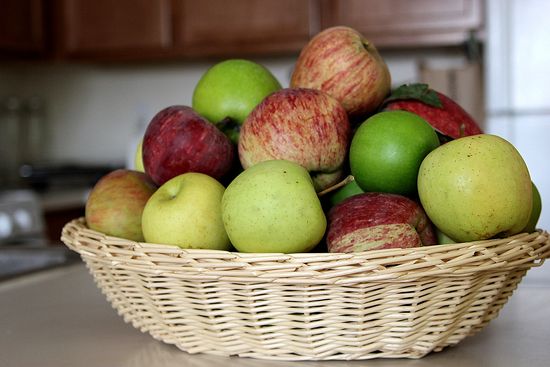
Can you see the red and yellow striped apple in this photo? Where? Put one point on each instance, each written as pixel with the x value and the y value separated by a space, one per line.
pixel 116 203
pixel 375 221
pixel 342 63
pixel 305 126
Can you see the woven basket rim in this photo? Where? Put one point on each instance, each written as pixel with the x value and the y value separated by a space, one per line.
pixel 524 250
pixel 81 224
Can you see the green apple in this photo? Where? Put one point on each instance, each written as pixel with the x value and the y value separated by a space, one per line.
pixel 138 158
pixel 186 212
pixel 273 207
pixel 476 188
pixel 387 149
pixel 229 90
pixel 442 238
pixel 535 212
pixel 115 204
pixel 349 189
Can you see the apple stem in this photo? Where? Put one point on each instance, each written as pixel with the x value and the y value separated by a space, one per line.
pixel 344 182
pixel 224 123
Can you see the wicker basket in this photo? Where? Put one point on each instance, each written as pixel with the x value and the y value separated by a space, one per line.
pixel 310 306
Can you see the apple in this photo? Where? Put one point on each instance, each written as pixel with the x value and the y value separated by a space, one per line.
pixel 342 63
pixel 229 90
pixel 442 238
pixel 444 114
pixel 387 149
pixel 305 126
pixel 375 221
pixel 346 191
pixel 178 140
pixel 186 212
pixel 115 204
pixel 475 188
pixel 138 157
pixel 273 207
pixel 535 211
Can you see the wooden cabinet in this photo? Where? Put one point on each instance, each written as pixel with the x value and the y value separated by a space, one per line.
pixel 22 27
pixel 182 28
pixel 220 27
pixel 55 220
pixel 122 28
pixel 398 23
pixel 144 30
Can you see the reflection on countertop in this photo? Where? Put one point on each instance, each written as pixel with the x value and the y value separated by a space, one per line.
pixel 18 260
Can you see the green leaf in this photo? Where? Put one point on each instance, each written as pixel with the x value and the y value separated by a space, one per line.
pixel 418 91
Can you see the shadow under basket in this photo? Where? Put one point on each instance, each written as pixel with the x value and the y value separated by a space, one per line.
pixel 308 306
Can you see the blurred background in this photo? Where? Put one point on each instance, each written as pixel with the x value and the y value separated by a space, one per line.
pixel 80 79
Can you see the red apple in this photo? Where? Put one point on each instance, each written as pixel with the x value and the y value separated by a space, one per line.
pixel 179 140
pixel 116 202
pixel 378 221
pixel 305 126
pixel 444 114
pixel 341 62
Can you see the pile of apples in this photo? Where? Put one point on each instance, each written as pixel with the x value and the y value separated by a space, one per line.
pixel 335 162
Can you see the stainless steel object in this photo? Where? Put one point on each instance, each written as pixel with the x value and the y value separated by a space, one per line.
pixel 24 247
pixel 20 217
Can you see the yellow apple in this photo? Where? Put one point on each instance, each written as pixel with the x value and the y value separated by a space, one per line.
pixel 535 212
pixel 186 212
pixel 476 188
pixel 138 158
pixel 273 207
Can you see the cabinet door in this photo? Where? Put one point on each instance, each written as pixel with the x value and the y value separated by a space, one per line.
pixel 22 26
pixel 127 28
pixel 219 27
pixel 393 23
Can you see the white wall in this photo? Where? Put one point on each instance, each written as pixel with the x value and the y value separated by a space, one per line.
pixel 518 88
pixel 94 112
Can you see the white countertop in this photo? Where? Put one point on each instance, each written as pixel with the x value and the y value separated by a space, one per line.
pixel 59 318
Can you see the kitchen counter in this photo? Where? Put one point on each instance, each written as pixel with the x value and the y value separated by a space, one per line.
pixel 59 318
